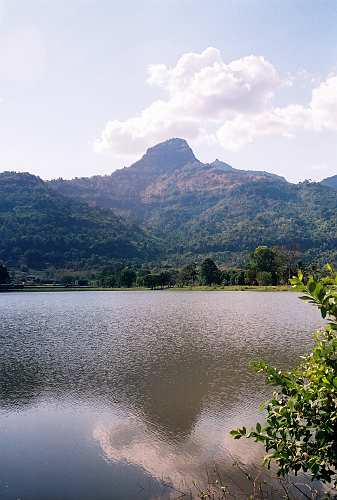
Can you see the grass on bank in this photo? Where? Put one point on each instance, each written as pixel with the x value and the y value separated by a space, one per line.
pixel 197 288
pixel 234 288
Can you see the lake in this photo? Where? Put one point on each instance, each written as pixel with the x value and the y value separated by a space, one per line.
pixel 122 395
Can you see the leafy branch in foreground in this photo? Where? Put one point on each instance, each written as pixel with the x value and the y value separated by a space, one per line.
pixel 300 431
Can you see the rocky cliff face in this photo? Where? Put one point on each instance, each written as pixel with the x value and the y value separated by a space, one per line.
pixel 166 157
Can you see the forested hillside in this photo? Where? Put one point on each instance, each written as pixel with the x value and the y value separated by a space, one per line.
pixel 330 181
pixel 214 209
pixel 41 228
pixel 167 207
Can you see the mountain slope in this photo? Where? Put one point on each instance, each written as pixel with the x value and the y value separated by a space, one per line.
pixel 301 217
pixel 124 189
pixel 164 169
pixel 41 228
pixel 330 181
pixel 193 209
pixel 200 209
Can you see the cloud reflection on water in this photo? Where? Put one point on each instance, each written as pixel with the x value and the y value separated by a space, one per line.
pixel 165 376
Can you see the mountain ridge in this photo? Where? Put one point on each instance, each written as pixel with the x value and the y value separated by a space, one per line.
pixel 41 228
pixel 163 166
pixel 170 206
pixel 168 156
pixel 212 208
pixel 330 181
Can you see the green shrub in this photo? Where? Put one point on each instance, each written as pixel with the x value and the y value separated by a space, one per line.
pixel 264 278
pixel 300 432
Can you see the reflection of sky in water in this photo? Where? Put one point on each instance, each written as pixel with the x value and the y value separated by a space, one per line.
pixel 129 439
pixel 105 394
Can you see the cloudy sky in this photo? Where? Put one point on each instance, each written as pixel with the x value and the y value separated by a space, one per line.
pixel 87 85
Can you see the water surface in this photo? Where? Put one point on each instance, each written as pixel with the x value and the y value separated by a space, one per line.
pixel 109 395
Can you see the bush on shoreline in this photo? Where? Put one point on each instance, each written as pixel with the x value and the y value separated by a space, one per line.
pixel 300 431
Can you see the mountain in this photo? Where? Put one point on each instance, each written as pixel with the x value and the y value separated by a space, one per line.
pixel 41 228
pixel 213 209
pixel 167 168
pixel 330 181
pixel 167 206
pixel 124 189
pixel 200 209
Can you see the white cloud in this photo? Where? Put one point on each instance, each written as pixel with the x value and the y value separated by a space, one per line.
pixel 204 84
pixel 320 114
pixel 323 105
pixel 209 100
pixel 157 122
pixel 243 129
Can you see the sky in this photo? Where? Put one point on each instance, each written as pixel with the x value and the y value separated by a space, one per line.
pixel 86 86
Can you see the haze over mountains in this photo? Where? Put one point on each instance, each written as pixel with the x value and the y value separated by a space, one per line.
pixel 167 206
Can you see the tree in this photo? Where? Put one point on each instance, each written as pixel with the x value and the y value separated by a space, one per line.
pixel 188 274
pixel 151 281
pixel 250 277
pixel 264 278
pixel 210 274
pixel 68 279
pixel 263 259
pixel 301 418
pixel 4 275
pixel 127 277
pixel 141 273
pixel 287 261
pixel 109 281
pixel 166 278
pixel 240 278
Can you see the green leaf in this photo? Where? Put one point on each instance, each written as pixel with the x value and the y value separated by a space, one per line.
pixel 311 285
pixel 329 268
pixel 301 415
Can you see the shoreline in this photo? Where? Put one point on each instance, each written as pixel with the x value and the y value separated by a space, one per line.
pixel 199 288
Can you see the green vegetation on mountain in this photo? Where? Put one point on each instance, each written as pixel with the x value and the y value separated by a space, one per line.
pixel 330 181
pixel 166 207
pixel 4 275
pixel 41 228
pixel 214 209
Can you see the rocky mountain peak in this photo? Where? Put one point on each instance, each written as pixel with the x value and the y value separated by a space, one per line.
pixel 169 155
pixel 221 165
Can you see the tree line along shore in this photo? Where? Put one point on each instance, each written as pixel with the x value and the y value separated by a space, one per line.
pixel 268 268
